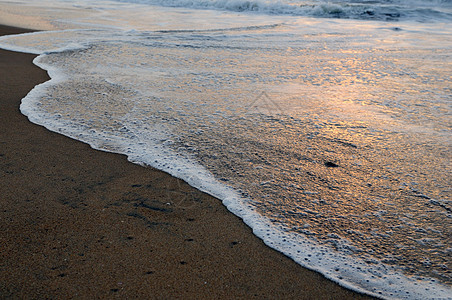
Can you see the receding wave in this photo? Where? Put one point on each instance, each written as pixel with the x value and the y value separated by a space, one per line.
pixel 395 10
pixel 243 28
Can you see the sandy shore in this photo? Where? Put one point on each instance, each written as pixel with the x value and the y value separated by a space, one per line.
pixel 76 222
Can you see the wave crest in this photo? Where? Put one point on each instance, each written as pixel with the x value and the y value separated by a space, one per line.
pixel 422 11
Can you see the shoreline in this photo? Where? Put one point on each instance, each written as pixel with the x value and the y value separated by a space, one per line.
pixel 78 222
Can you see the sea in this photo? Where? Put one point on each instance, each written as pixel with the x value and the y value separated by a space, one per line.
pixel 324 125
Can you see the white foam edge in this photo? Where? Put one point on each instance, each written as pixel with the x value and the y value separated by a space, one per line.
pixel 388 281
pixel 11 47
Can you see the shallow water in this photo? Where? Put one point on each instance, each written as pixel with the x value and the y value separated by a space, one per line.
pixel 329 137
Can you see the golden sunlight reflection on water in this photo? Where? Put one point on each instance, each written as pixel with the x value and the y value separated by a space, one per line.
pixel 338 134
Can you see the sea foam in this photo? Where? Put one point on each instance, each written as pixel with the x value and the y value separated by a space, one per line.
pixel 220 108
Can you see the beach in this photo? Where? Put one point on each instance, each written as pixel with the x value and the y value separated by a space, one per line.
pixel 81 223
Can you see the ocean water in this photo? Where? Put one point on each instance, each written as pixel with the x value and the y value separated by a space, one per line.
pixel 324 125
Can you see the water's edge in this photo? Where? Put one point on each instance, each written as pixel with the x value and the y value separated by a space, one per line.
pixel 277 240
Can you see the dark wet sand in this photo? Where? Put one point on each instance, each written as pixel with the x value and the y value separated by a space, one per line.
pixel 81 223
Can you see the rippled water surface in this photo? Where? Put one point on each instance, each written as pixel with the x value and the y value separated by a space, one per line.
pixel 334 134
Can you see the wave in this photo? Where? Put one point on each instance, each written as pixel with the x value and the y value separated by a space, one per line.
pixel 383 10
